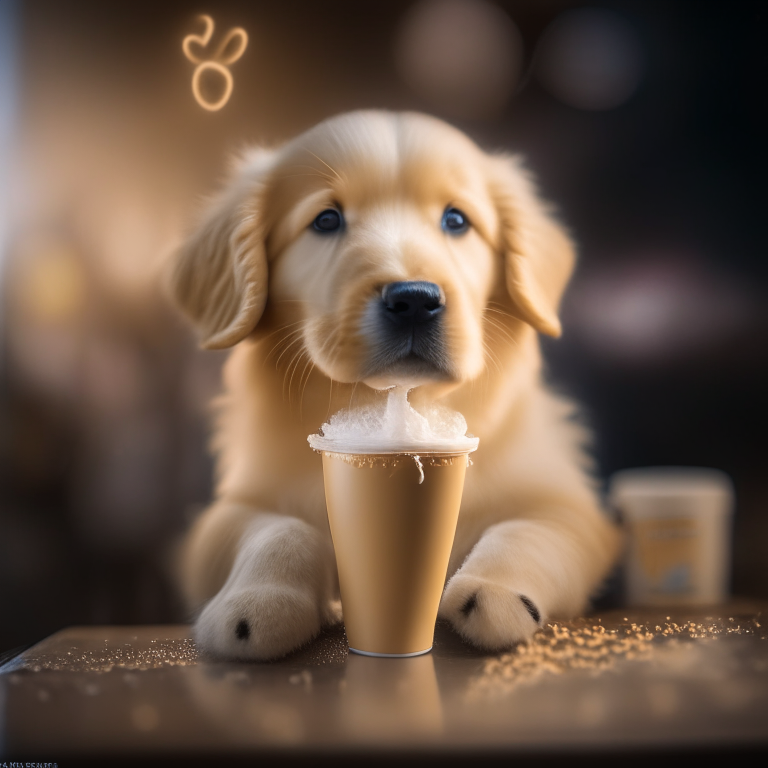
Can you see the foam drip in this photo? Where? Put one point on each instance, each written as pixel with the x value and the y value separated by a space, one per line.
pixel 420 467
pixel 394 426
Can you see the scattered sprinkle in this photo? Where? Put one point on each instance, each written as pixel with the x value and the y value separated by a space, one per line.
pixel 160 653
pixel 561 647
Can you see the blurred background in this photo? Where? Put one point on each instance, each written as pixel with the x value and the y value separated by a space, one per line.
pixel 644 122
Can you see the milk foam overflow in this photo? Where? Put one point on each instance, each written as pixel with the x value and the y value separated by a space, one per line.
pixel 394 426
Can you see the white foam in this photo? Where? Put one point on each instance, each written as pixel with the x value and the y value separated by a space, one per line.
pixel 394 426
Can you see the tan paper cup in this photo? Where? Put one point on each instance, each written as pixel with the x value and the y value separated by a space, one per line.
pixel 392 535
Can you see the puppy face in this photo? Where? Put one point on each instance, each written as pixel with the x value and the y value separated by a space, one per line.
pixel 386 243
pixel 381 240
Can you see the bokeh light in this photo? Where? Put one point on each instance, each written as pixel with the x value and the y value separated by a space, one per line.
pixel 463 57
pixel 590 58
pixel 50 283
pixel 657 307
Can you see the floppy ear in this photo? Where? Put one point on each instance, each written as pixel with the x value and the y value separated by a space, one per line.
pixel 538 253
pixel 219 278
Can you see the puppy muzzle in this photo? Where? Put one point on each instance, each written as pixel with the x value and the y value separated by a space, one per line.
pixel 405 330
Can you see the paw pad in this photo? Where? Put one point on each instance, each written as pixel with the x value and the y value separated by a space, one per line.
pixel 531 608
pixel 242 630
pixel 470 605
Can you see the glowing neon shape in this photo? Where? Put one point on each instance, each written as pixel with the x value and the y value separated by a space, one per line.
pixel 218 63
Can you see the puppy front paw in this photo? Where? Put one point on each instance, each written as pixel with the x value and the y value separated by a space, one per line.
pixel 489 615
pixel 258 623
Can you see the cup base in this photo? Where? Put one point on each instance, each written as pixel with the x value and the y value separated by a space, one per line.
pixel 391 655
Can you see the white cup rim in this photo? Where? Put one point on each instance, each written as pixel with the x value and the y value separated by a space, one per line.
pixel 457 448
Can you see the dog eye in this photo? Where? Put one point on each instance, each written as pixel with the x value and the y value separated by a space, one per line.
pixel 455 222
pixel 328 221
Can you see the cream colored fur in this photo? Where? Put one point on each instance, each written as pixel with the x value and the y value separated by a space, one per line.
pixel 258 564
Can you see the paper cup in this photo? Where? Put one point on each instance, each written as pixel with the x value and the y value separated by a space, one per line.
pixel 678 522
pixel 393 520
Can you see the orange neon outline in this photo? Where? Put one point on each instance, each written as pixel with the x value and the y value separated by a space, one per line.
pixel 218 63
pixel 214 65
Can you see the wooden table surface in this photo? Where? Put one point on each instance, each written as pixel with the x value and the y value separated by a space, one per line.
pixel 620 684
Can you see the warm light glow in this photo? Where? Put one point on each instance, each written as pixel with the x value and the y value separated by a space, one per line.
pixel 51 283
pixel 462 56
pixel 212 106
pixel 217 63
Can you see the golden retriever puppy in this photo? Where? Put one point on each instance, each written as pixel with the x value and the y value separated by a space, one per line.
pixel 381 248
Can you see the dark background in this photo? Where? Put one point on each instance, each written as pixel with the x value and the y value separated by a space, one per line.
pixel 103 396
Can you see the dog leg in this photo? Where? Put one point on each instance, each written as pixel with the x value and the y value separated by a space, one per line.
pixel 278 591
pixel 519 574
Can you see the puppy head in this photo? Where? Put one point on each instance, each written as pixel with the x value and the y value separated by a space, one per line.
pixel 380 240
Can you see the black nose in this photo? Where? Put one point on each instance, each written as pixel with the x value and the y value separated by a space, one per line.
pixel 412 301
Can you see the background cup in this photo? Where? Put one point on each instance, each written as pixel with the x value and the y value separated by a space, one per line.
pixel 678 522
pixel 392 535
